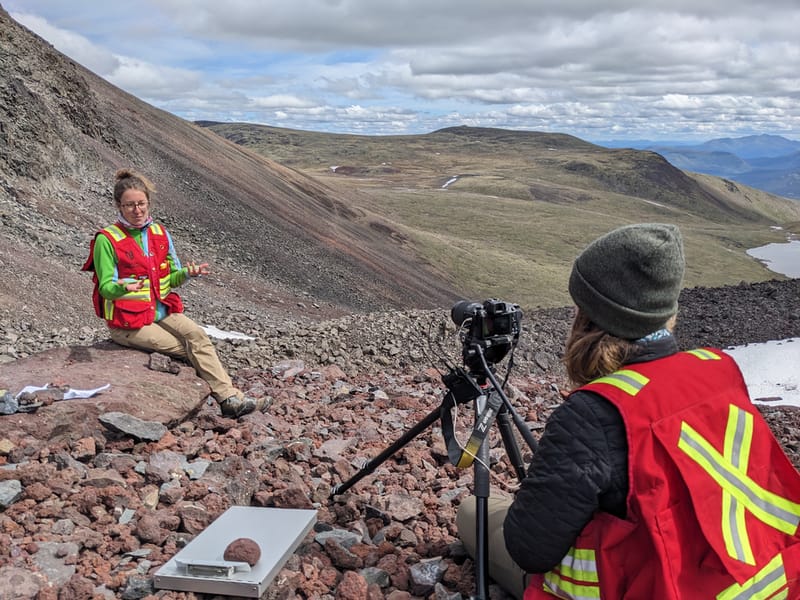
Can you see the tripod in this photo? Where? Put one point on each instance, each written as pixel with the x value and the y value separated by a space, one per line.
pixel 490 403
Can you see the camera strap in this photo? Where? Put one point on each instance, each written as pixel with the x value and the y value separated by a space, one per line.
pixel 464 457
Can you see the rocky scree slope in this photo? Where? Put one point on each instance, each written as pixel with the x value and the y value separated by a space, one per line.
pixel 95 517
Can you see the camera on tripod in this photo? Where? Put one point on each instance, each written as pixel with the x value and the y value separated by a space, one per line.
pixel 494 326
pixel 487 331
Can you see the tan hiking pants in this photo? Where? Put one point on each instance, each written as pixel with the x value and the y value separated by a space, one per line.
pixel 177 335
pixel 502 568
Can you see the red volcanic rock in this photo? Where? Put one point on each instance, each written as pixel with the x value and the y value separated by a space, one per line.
pixel 243 550
pixel 352 587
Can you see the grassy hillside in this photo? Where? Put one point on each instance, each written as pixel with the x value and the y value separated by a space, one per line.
pixel 505 212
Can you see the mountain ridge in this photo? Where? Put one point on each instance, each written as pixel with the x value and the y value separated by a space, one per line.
pixel 766 161
pixel 525 202
pixel 624 171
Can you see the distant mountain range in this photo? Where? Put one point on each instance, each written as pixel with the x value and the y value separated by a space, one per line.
pixel 767 162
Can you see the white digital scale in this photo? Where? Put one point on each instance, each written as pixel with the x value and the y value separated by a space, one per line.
pixel 201 567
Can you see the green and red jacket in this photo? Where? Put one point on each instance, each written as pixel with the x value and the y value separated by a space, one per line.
pixel 713 506
pixel 118 256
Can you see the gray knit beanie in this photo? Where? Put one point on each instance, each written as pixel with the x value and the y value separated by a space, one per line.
pixel 628 281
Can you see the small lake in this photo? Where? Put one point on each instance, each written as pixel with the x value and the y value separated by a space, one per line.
pixel 779 258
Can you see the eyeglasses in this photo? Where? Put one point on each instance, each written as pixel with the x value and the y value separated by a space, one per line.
pixel 133 205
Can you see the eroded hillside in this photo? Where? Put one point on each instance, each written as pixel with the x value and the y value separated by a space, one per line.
pixel 282 235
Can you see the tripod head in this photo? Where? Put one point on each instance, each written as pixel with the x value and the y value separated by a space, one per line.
pixel 463 386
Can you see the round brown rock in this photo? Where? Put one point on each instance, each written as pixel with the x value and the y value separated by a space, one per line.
pixel 243 550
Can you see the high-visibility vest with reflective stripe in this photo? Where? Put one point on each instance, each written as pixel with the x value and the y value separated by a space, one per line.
pixel 713 507
pixel 136 309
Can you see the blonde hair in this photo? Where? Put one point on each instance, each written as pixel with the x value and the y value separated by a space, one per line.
pixel 129 179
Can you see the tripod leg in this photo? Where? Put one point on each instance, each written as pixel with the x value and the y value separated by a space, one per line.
pixel 522 427
pixel 510 443
pixel 482 487
pixel 524 430
pixel 373 464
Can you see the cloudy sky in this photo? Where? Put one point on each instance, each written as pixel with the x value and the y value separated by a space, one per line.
pixel 688 70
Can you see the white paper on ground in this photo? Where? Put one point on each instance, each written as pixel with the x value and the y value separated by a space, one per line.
pixel 68 395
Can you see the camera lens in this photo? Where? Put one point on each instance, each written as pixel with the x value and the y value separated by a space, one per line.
pixel 463 309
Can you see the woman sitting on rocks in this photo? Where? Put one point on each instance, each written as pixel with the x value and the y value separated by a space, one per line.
pixel 136 272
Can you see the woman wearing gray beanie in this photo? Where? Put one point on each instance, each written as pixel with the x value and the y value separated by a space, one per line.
pixel 656 478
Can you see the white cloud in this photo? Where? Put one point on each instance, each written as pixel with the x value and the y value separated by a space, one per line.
pixel 280 101
pixel 154 81
pixel 618 68
pixel 81 50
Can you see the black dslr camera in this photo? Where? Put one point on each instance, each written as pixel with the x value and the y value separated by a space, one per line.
pixel 493 326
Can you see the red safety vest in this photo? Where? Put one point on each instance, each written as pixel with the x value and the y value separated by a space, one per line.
pixel 713 506
pixel 136 309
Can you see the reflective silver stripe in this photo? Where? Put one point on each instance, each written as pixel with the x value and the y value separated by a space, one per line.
pixel 584 565
pixel 765 584
pixel 737 535
pixel 626 379
pixel 738 437
pixel 115 232
pixel 704 354
pixel 735 509
pixel 576 577
pixel 754 591
pixel 736 482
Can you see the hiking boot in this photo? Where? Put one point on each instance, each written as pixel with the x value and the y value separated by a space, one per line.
pixel 234 406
